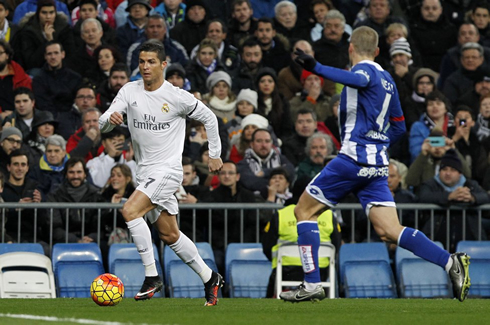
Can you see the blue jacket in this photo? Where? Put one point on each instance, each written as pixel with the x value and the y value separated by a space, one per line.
pixel 168 19
pixel 127 35
pixel 264 8
pixel 418 133
pixel 31 6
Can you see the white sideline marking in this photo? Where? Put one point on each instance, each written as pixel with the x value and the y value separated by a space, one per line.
pixel 56 319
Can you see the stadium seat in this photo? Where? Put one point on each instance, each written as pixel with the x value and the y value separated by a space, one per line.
pixel 22 247
pixel 418 278
pixel 365 271
pixel 125 262
pixel 75 266
pixel 181 280
pixel 326 250
pixel 247 270
pixel 479 251
pixel 26 275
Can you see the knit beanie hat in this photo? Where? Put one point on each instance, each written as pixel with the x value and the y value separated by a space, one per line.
pixel 422 72
pixel 175 69
pixel 249 95
pixel 305 74
pixel 255 119
pixel 402 46
pixel 10 131
pixel 451 159
pixel 216 77
pixel 265 72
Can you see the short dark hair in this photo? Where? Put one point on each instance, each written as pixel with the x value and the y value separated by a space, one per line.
pixel 267 20
pixel 115 132
pixel 53 43
pixel 260 130
pixel 239 2
pixel 88 2
pixel 186 161
pixel 119 66
pixel 17 153
pixel 249 42
pixel 156 47
pixel 217 20
pixel 24 91
pixel 45 3
pixel 305 111
pixel 280 171
pixel 8 49
pixel 5 4
pixel 437 95
pixel 464 108
pixel 87 85
pixel 72 162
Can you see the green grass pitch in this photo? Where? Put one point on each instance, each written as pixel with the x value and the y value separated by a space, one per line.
pixel 246 311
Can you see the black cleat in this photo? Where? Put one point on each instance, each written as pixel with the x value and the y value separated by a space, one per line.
pixel 151 285
pixel 211 289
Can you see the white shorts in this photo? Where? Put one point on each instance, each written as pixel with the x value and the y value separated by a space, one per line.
pixel 160 187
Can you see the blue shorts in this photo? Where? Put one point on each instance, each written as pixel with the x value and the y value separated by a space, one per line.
pixel 343 175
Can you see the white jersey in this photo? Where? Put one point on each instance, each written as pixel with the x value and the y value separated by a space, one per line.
pixel 157 121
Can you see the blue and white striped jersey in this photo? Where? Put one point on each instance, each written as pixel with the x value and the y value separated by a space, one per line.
pixel 370 115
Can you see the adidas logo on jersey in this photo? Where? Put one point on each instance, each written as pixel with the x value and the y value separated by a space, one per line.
pixel 134 104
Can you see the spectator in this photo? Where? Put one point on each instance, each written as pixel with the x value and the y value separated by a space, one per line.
pixel 312 97
pixel 192 30
pixel 88 9
pixel 401 195
pixel 12 76
pixel 242 24
pixel 227 53
pixel 320 8
pixel 319 147
pixel 393 32
pixel 75 189
pixel 20 189
pixel 103 12
pixel 450 187
pixel 107 91
pixel 7 28
pixel 289 79
pixel 241 141
pixel 427 164
pixel 25 115
pixel 44 127
pixel 30 6
pixel 264 8
pixel 173 11
pixel 106 56
pixel 278 189
pixel 272 104
pixel 484 163
pixel 260 159
pixel 331 123
pixel 423 83
pixel 275 47
pixel 437 115
pixel 480 16
pixel 85 98
pixel 48 171
pixel 55 85
pixel 250 63
pixel 193 191
pixel 462 80
pixel 332 48
pixel 10 140
pixel 246 104
pixel 205 63
pixel 483 119
pixel 84 61
pixel 220 99
pixel 433 34
pixel 43 26
pixel 135 24
pixel 481 87
pixel 175 74
pixel 287 24
pixel 157 30
pixel 86 141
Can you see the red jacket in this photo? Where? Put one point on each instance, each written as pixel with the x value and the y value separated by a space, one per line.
pixel 75 139
pixel 20 77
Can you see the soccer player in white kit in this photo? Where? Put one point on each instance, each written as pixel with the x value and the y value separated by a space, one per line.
pixel 156 116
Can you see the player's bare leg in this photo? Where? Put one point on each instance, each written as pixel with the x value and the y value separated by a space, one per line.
pixel 187 251
pixel 307 211
pixel 387 226
pixel 133 211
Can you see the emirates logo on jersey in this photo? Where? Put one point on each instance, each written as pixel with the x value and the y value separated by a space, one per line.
pixel 165 108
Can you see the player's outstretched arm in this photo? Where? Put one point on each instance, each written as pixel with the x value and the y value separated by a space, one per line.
pixel 204 115
pixel 215 165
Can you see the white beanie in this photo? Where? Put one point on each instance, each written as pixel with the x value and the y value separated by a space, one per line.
pixel 255 119
pixel 216 77
pixel 249 95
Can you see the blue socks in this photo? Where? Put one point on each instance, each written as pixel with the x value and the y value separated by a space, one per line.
pixel 309 243
pixel 416 242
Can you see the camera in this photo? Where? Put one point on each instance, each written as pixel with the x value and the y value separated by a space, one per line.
pixel 462 122
pixel 437 141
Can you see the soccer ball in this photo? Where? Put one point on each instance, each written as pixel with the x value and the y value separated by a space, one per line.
pixel 107 290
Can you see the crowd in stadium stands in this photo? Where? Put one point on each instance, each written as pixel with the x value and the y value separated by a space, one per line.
pixel 63 62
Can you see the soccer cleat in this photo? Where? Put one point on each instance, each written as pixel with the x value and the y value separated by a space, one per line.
pixel 151 285
pixel 301 294
pixel 459 275
pixel 211 289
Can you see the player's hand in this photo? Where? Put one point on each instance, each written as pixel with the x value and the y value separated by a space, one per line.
pixel 306 61
pixel 215 165
pixel 116 118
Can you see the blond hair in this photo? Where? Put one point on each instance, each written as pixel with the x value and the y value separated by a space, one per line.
pixel 365 41
pixel 396 26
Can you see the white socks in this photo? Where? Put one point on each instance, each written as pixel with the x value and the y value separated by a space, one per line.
pixel 310 286
pixel 449 264
pixel 187 251
pixel 142 238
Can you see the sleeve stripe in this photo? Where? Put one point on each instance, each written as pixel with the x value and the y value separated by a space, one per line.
pixel 397 119
pixel 197 102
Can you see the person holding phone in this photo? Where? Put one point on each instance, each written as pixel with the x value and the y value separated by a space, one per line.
pixel 117 149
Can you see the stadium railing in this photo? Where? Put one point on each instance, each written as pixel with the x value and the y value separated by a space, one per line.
pixel 253 211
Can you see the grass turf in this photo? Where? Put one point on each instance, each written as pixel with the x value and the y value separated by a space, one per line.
pixel 250 311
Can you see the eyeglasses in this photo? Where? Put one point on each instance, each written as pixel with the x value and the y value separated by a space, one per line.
pixel 223 173
pixel 85 97
pixel 12 141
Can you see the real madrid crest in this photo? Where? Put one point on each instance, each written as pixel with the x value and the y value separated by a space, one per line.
pixel 165 108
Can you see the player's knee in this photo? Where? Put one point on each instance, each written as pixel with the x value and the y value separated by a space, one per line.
pixel 129 213
pixel 169 238
pixel 300 214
